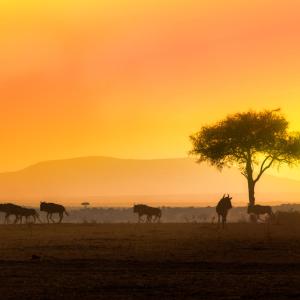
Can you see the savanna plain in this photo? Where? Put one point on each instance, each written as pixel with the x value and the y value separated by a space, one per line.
pixel 150 261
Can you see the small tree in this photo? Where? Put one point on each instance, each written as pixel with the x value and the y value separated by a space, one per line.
pixel 85 204
pixel 252 141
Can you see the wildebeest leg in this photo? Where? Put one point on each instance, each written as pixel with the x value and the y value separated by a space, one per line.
pixel 142 220
pixel 61 215
pixel 39 219
pixel 223 221
pixel 149 219
pixel 51 218
pixel 17 219
pixel 48 218
pixel 6 219
pixel 219 220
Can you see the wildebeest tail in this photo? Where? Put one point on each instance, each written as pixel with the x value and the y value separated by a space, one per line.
pixel 67 214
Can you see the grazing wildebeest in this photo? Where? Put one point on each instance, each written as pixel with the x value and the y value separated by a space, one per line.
pixel 222 209
pixel 52 208
pixel 145 210
pixel 259 210
pixel 27 213
pixel 10 209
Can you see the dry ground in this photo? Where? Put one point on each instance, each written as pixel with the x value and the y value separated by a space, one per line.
pixel 157 261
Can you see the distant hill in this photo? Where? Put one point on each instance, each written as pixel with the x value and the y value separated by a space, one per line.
pixel 111 181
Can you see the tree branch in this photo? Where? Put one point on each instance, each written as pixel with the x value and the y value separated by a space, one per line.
pixel 263 168
pixel 244 174
pixel 263 163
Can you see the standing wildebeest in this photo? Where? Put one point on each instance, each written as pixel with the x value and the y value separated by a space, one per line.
pixel 258 210
pixel 52 208
pixel 27 213
pixel 145 210
pixel 222 209
pixel 10 209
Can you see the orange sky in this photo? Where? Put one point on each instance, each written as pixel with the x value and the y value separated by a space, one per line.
pixel 136 78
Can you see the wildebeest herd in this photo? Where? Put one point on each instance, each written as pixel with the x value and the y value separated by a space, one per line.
pixel 152 214
pixel 254 210
pixel 20 212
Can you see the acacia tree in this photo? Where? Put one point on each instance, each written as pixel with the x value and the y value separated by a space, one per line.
pixel 85 204
pixel 252 141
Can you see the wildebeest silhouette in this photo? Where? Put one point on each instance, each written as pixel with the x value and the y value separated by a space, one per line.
pixel 150 212
pixel 27 213
pixel 259 210
pixel 222 209
pixel 19 212
pixel 53 208
pixel 10 209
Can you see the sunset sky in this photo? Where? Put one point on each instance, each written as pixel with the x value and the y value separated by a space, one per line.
pixel 133 79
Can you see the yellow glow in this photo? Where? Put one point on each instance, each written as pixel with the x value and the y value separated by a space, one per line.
pixel 136 78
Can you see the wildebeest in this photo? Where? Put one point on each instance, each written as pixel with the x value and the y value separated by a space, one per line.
pixel 52 208
pixel 145 210
pixel 259 210
pixel 222 209
pixel 10 209
pixel 19 212
pixel 27 213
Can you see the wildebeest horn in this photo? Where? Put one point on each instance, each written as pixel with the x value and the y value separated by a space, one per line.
pixel 223 196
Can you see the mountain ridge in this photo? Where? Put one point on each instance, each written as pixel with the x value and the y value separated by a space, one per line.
pixel 109 177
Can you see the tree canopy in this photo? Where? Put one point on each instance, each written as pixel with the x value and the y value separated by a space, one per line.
pixel 252 141
pixel 85 204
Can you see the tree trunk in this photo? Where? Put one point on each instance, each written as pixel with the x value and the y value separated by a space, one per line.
pixel 251 182
pixel 251 191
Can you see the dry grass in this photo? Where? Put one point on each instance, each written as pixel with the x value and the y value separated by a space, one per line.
pixel 93 261
pixel 288 217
